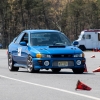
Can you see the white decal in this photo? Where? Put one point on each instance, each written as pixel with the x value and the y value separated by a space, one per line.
pixel 19 51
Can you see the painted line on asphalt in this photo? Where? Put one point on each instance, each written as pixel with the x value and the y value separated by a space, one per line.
pixel 53 88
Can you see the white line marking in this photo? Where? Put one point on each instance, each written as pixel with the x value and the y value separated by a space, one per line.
pixel 66 91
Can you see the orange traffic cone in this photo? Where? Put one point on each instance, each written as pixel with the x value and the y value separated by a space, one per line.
pixel 97 70
pixel 99 50
pixel 7 52
pixel 82 86
pixel 85 70
pixel 93 56
pixel 96 50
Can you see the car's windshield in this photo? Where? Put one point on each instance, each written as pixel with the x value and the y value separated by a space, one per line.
pixel 48 39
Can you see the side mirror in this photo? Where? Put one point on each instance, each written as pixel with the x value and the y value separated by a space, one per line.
pixel 75 43
pixel 23 43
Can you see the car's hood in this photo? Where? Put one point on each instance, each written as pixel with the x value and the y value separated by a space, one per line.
pixel 56 50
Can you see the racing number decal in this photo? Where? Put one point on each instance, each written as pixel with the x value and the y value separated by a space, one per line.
pixel 19 51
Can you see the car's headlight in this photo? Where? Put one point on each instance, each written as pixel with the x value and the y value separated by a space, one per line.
pixel 43 55
pixel 79 55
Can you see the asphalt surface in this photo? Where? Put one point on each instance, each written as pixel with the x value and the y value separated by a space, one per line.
pixel 46 85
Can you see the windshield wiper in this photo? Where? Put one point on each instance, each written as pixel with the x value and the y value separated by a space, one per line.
pixel 59 44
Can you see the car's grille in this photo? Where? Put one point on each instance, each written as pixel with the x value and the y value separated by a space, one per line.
pixel 70 63
pixel 62 56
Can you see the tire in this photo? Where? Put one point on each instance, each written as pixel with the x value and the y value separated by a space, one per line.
pixel 56 70
pixel 30 65
pixel 82 47
pixel 78 70
pixel 11 64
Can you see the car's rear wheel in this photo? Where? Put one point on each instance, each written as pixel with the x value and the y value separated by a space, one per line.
pixel 56 70
pixel 78 70
pixel 30 65
pixel 11 64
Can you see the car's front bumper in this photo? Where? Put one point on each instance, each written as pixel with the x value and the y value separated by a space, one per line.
pixel 54 63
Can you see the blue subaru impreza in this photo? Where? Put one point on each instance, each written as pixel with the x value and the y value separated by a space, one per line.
pixel 44 49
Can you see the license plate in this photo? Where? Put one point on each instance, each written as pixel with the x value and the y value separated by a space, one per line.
pixel 62 63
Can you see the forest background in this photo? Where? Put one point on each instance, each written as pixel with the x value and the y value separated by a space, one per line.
pixel 68 16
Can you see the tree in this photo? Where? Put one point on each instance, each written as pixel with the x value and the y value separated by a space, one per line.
pixel 79 15
pixel 68 16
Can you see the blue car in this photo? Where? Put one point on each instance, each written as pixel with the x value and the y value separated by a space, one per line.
pixel 44 49
pixel 1 46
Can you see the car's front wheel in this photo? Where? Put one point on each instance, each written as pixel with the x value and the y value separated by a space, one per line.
pixel 30 65
pixel 56 70
pixel 78 70
pixel 11 64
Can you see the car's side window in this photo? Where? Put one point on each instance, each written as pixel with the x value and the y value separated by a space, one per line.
pixel 88 36
pixel 83 37
pixel 14 40
pixel 98 36
pixel 25 38
pixel 19 38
